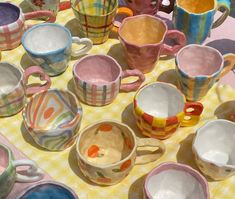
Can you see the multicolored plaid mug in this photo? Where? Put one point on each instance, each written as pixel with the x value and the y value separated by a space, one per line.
pixel 12 24
pixel 195 18
pixel 96 17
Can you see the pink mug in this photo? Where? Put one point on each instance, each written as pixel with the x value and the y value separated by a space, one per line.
pixel 97 79
pixel 12 24
pixel 143 38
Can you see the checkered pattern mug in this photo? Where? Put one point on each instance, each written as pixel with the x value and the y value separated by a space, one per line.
pixel 12 24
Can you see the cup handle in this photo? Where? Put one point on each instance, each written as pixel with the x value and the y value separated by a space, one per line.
pixel 87 46
pixel 127 87
pixel 121 10
pixel 64 5
pixel 229 63
pixel 194 115
pixel 43 76
pixel 151 156
pixel 32 174
pixel 222 4
pixel 165 6
pixel 181 39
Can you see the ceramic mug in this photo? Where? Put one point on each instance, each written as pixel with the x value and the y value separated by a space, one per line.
pixel 96 18
pixel 143 38
pixel 53 118
pixel 9 175
pixel 50 46
pixel 196 18
pixel 108 150
pixel 14 87
pixel 175 180
pixel 213 147
pixel 199 67
pixel 12 24
pixel 160 108
pixel 97 79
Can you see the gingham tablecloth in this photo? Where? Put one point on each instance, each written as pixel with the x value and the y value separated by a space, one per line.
pixel 62 166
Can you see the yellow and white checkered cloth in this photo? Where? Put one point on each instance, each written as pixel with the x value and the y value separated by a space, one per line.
pixel 62 166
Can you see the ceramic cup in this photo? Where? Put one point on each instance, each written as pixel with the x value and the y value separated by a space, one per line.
pixel 143 38
pixel 196 18
pixel 53 118
pixel 14 87
pixel 174 180
pixel 46 190
pixel 97 79
pixel 50 46
pixel 214 149
pixel 9 175
pixel 96 18
pixel 199 67
pixel 107 151
pixel 12 24
pixel 160 108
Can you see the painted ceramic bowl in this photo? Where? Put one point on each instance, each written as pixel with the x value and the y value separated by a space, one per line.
pixel 53 118
pixel 48 190
pixel 174 180
pixel 214 149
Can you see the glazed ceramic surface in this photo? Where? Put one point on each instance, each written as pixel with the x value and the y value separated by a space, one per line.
pixel 160 108
pixel 53 118
pixel 199 67
pixel 95 17
pixel 174 180
pixel 196 18
pixel 12 24
pixel 8 173
pixel 97 79
pixel 14 87
pixel 107 151
pixel 142 38
pixel 50 46
pixel 214 149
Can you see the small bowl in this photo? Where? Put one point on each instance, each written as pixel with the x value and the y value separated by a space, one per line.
pixel 53 118
pixel 214 149
pixel 174 180
pixel 48 189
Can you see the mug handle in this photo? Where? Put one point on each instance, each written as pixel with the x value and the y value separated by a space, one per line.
pixel 127 87
pixel 32 174
pixel 121 10
pixel 87 46
pixel 193 115
pixel 43 76
pixel 222 4
pixel 229 63
pixel 165 6
pixel 171 50
pixel 151 156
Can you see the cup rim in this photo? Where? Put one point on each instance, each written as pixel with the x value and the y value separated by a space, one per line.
pixel 68 44
pixel 177 166
pixel 108 165
pixel 142 16
pixel 199 131
pixel 10 157
pixel 75 75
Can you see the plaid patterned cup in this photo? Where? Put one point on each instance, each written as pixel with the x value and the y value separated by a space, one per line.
pixel 96 17
pixel 97 79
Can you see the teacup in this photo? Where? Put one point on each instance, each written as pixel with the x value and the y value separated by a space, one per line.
pixel 50 46
pixel 160 108
pixel 96 18
pixel 195 18
pixel 214 149
pixel 14 87
pixel 174 180
pixel 9 175
pixel 53 118
pixel 199 67
pixel 143 38
pixel 97 79
pixel 108 150
pixel 12 24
